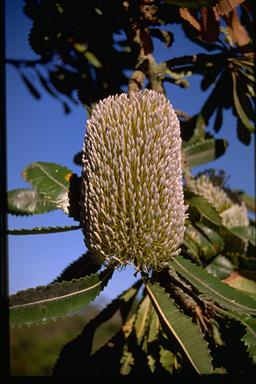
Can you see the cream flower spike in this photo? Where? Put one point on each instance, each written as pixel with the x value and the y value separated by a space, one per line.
pixel 232 214
pixel 132 208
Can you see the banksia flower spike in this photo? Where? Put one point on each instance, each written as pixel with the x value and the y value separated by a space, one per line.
pixel 232 214
pixel 132 208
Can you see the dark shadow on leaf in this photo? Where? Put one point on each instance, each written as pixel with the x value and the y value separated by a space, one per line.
pixel 75 357
pixel 79 268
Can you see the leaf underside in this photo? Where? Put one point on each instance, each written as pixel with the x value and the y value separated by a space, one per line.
pixel 26 202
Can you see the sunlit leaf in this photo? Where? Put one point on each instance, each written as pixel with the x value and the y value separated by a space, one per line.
pixel 42 230
pixel 127 361
pixel 186 333
pixel 44 303
pixel 142 318
pixel 51 180
pixel 28 202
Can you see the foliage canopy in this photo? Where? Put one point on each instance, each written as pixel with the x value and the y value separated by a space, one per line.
pixel 188 317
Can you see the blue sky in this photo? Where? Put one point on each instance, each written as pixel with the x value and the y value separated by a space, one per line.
pixel 39 131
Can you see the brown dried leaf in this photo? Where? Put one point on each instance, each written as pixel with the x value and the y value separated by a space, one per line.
pixel 187 15
pixel 235 29
pixel 226 6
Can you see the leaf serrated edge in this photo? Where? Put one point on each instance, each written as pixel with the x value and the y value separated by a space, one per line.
pixel 180 264
pixel 42 230
pixel 159 309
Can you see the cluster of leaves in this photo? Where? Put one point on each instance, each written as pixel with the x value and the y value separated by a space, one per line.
pixel 88 51
pixel 187 317
pixel 158 334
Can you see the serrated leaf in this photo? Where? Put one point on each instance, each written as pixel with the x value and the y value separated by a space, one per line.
pixel 204 151
pixel 245 233
pixel 166 358
pixel 52 181
pixel 153 326
pixel 42 230
pixel 83 266
pixel 220 267
pixel 142 318
pixel 127 361
pixel 206 283
pixel 205 209
pixel 249 337
pixel 28 202
pixel 151 363
pixel 186 333
pixel 44 303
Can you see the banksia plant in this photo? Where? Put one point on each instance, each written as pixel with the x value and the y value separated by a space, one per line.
pixel 132 207
pixel 232 214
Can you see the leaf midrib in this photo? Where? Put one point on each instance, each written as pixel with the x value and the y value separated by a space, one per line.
pixel 50 177
pixel 230 301
pixel 171 328
pixel 60 297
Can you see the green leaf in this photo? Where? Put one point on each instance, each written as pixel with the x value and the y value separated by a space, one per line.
pixel 205 209
pixel 42 230
pixel 142 318
pixel 206 283
pixel 249 338
pixel 28 202
pixel 216 241
pixel 204 246
pixel 249 201
pixel 245 233
pixel 151 363
pixel 239 109
pixel 127 361
pixel 44 303
pixel 220 267
pixel 50 180
pixel 166 359
pixel 90 56
pixel 153 326
pixel 182 328
pixel 204 151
